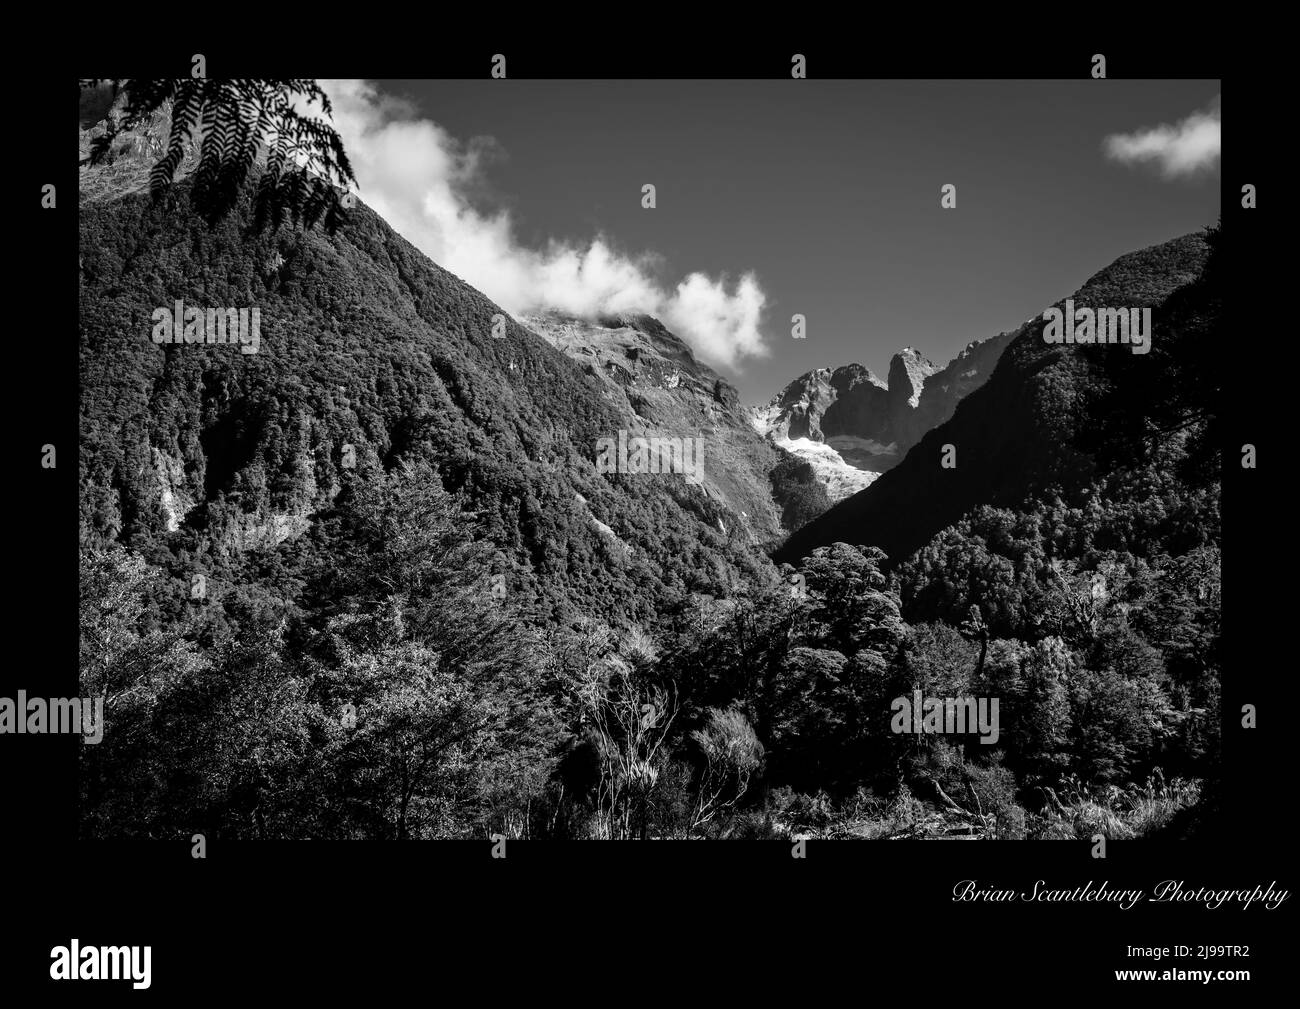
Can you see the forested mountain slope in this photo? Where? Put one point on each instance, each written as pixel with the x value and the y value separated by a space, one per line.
pixel 1050 416
pixel 210 454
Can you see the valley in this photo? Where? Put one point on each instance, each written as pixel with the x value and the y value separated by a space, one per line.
pixel 468 572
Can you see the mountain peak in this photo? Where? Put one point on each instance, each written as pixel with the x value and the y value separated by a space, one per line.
pixel 651 374
pixel 908 370
pixel 1027 427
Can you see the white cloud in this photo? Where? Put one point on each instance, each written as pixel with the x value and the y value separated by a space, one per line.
pixel 1188 147
pixel 419 178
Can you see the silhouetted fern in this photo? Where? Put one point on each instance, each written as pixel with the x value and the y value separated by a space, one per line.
pixel 229 124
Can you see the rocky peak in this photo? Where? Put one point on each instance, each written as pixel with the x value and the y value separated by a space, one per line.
pixel 908 370
pixel 850 376
pixel 633 350
pixel 867 424
pixel 652 374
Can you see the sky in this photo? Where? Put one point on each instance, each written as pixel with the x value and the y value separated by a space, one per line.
pixel 815 197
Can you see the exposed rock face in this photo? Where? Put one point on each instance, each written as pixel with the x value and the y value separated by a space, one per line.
pixel 794 419
pixel 173 497
pixel 908 371
pixel 802 404
pixel 649 370
pixel 849 416
pixel 1030 426
pixel 637 353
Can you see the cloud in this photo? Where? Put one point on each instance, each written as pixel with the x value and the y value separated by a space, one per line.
pixel 420 178
pixel 1186 148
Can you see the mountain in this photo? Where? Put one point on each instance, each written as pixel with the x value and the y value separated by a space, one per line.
pixel 357 559
pixel 651 375
pixel 230 459
pixel 1046 416
pixel 851 426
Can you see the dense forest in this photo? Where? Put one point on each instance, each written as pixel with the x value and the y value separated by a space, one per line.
pixel 367 582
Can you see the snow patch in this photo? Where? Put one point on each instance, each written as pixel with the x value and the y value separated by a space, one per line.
pixel 839 478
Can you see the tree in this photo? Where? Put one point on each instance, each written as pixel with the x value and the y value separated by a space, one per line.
pixel 732 753
pixel 973 628
pixel 810 714
pixel 225 127
pixel 118 660
pixel 1039 709
pixel 851 607
pixel 424 741
pixel 631 715
pixel 454 721
pixel 135 671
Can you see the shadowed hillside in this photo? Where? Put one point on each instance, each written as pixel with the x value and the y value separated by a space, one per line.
pixel 1036 422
